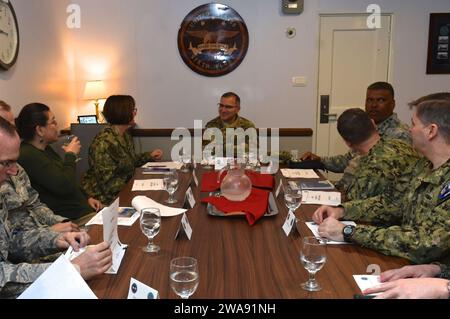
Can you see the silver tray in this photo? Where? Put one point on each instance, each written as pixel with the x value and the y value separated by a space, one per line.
pixel 272 208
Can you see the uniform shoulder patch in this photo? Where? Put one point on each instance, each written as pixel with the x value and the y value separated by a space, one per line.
pixel 444 194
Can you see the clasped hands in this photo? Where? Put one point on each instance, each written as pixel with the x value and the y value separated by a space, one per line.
pixel 327 218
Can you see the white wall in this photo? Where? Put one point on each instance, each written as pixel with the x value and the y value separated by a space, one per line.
pixel 132 45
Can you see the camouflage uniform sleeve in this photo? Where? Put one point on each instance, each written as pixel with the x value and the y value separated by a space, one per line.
pixel 14 276
pixel 40 211
pixel 377 210
pixel 422 243
pixel 26 246
pixel 338 163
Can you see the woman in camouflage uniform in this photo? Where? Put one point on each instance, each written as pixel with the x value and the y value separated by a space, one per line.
pixel 112 158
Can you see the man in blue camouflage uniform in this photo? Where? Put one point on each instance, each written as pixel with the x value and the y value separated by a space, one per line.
pixel 382 162
pixel 417 227
pixel 18 246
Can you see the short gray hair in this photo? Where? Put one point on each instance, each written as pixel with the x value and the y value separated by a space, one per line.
pixel 436 112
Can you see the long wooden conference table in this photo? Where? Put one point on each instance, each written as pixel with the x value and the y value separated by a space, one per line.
pixel 236 261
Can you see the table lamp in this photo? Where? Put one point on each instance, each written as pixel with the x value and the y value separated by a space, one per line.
pixel 95 90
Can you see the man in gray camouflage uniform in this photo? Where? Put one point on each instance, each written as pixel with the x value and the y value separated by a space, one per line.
pixel 229 107
pixel 380 104
pixel 382 162
pixel 417 227
pixel 20 245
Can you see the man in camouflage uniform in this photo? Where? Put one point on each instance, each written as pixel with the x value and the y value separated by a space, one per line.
pixel 380 104
pixel 26 211
pixel 382 162
pixel 19 245
pixel 229 107
pixel 417 227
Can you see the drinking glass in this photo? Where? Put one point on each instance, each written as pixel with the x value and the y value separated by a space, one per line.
pixel 150 221
pixel 171 185
pixel 185 159
pixel 292 197
pixel 67 140
pixel 208 157
pixel 184 276
pixel 313 256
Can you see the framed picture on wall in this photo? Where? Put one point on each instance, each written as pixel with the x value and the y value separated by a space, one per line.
pixel 439 44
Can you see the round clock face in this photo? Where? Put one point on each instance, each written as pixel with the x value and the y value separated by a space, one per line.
pixel 9 35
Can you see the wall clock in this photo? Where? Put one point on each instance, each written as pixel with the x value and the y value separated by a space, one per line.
pixel 9 35
pixel 213 39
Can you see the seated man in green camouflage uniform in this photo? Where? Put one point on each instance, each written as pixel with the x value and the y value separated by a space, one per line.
pixel 19 245
pixel 417 227
pixel 382 162
pixel 229 107
pixel 414 282
pixel 380 104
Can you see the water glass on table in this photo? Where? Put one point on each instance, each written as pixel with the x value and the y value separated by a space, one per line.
pixel 292 197
pixel 170 182
pixel 184 276
pixel 313 256
pixel 150 222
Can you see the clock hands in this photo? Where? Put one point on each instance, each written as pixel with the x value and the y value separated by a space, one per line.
pixel 5 33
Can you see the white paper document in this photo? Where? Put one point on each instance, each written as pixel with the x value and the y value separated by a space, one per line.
pixel 138 290
pixel 127 217
pixel 367 281
pixel 315 230
pixel 321 198
pixel 60 281
pixel 148 185
pixel 171 165
pixel 299 173
pixel 110 234
pixel 140 202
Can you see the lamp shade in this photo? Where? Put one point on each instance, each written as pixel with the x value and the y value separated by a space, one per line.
pixel 94 90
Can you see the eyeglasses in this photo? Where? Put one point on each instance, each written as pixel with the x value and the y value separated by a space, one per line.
pixel 8 163
pixel 228 107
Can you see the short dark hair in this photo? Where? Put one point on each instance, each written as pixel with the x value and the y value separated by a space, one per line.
pixel 355 126
pixel 429 97
pixel 436 112
pixel 5 106
pixel 382 86
pixel 7 128
pixel 119 109
pixel 232 94
pixel 31 116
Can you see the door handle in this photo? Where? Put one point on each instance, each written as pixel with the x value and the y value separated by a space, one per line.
pixel 324 108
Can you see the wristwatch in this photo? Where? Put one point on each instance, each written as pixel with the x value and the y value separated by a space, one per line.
pixel 348 232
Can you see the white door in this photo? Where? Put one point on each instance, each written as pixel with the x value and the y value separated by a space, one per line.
pixel 352 56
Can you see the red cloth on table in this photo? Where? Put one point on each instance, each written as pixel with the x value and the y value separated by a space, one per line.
pixel 210 184
pixel 254 206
